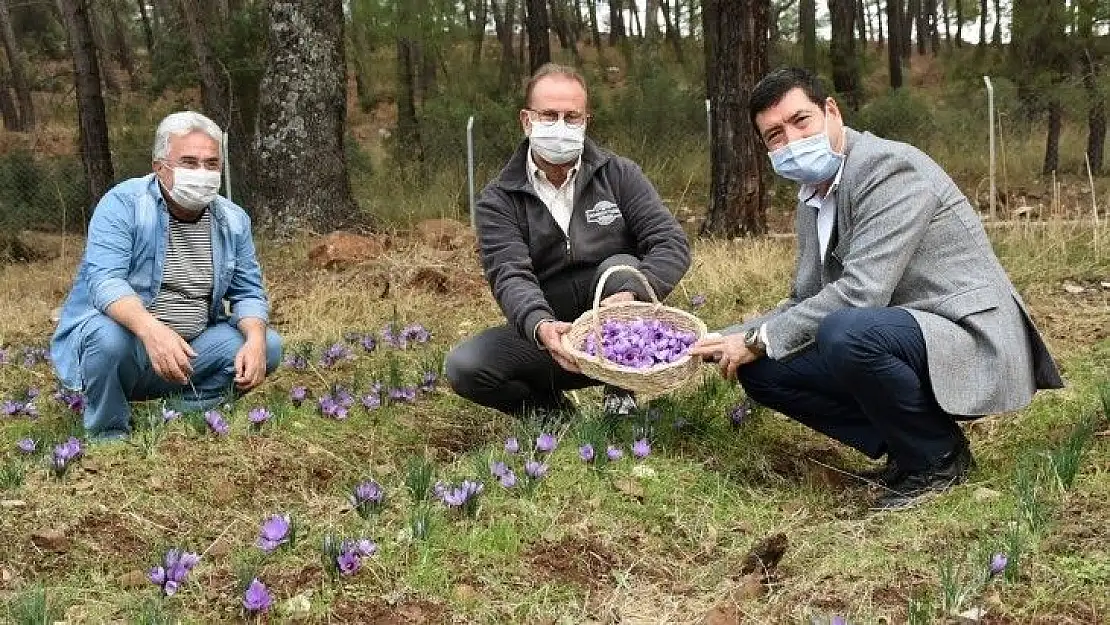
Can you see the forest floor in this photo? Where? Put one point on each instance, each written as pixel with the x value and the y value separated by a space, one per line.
pixel 669 538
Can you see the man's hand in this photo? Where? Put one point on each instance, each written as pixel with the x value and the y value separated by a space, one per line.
pixel 616 298
pixel 551 336
pixel 169 353
pixel 729 352
pixel 250 364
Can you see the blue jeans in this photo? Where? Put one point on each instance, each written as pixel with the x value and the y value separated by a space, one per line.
pixel 865 383
pixel 116 370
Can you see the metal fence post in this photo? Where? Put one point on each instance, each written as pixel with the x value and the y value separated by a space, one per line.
pixel 990 122
pixel 470 166
pixel 227 166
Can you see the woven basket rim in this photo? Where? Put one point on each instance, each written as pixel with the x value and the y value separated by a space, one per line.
pixel 585 320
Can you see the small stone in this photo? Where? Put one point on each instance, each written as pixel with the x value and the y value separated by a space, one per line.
pixel 51 540
pixel 986 494
pixel 298 606
pixel 1073 289
pixel 13 503
pixel 465 593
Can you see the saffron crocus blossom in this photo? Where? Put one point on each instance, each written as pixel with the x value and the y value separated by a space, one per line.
pixel 258 416
pixel 738 414
pixel 74 400
pixel 428 382
pixel 508 480
pixel 216 422
pixel 641 448
pixel 838 620
pixel 545 443
pixel 998 564
pixel 498 468
pixel 586 452
pixel 403 394
pixel 34 355
pixel 367 497
pixel 296 361
pixel 463 495
pixel 348 562
pixel 256 598
pixel 512 446
pixel 3 356
pixel 416 333
pixel 297 395
pixel 697 301
pixel 168 414
pixel 640 343
pixel 371 401
pixel 614 453
pixel 368 343
pixel 173 571
pixel 393 337
pixel 274 532
pixel 11 407
pixel 64 455
pixel 335 354
pixel 535 470
pixel 27 446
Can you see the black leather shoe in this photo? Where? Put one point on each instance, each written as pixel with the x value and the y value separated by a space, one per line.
pixel 618 402
pixel 889 473
pixel 949 470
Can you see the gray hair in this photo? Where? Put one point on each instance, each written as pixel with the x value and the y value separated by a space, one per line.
pixel 552 69
pixel 180 124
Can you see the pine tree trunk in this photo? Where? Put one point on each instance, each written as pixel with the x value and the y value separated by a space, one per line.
pixel 842 51
pixel 616 22
pixel 539 39
pixel 301 174
pixel 478 29
pixel 503 15
pixel 123 47
pixel 996 36
pixel 671 28
pixel 735 58
pixel 959 23
pixel 861 24
pixel 8 111
pixel 947 24
pixel 982 25
pixel 1096 113
pixel 651 20
pixel 595 30
pixel 17 65
pixel 102 53
pixel 92 121
pixel 1052 141
pixel 894 45
pixel 922 29
pixel 148 32
pixel 879 22
pixel 807 33
pixel 909 16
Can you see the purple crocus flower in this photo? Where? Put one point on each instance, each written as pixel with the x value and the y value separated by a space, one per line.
pixel 512 446
pixel 614 453
pixel 173 571
pixel 11 407
pixel 27 446
pixel 334 354
pixel 838 620
pixel 257 598
pixel 274 532
pixel 372 401
pixel 998 564
pixel 508 480
pixel 738 414
pixel 367 495
pixel 586 452
pixel 545 443
pixel 535 470
pixel 403 394
pixel 216 422
pixel 366 547
pixel 296 361
pixel 258 416
pixel 297 394
pixel 68 450
pixel 416 333
pixel 394 338
pixel 641 448
pixel 3 356
pixel 697 301
pixel 169 414
pixel 428 382
pixel 348 562
pixel 498 468
pixel 368 343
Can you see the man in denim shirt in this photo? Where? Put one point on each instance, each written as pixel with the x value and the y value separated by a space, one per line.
pixel 146 317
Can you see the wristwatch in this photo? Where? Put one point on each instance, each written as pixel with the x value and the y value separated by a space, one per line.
pixel 754 343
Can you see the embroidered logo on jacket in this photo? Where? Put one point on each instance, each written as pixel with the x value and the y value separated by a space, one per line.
pixel 603 213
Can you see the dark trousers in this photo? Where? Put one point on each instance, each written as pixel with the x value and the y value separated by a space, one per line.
pixel 503 370
pixel 865 383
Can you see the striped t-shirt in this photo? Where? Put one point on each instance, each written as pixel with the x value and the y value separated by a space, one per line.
pixel 183 301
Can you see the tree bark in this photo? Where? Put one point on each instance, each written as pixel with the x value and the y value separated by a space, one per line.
pixel 861 24
pixel 1090 61
pixel 539 39
pixel 996 36
pixel 947 24
pixel 879 21
pixel 807 33
pixel 17 65
pixel 92 121
pixel 478 29
pixel 922 29
pixel 301 174
pixel 595 29
pixel 102 52
pixel 842 52
pixel 894 45
pixel 959 23
pixel 503 15
pixel 8 111
pixel 1052 141
pixel 636 28
pixel 123 47
pixel 672 33
pixel 909 15
pixel 735 58
pixel 651 20
pixel 616 22
pixel 148 32
pixel 982 25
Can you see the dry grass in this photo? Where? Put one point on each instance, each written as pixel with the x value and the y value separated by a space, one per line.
pixel 587 546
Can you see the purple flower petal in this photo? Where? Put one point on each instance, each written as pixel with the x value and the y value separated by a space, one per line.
pixel 256 598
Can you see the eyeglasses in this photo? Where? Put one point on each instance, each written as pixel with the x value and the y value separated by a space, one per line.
pixel 188 162
pixel 547 117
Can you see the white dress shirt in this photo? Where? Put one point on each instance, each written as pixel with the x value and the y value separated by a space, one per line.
pixel 559 200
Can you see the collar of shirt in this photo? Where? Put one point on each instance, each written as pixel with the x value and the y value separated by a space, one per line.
pixel 535 173
pixel 808 192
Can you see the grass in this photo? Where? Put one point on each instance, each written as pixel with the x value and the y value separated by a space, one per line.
pixel 655 541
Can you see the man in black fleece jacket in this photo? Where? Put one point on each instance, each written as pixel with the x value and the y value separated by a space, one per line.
pixel 558 215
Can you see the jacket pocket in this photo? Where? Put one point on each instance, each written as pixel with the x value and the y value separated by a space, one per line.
pixel 967 302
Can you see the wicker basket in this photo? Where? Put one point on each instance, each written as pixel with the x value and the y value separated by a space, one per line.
pixel 647 384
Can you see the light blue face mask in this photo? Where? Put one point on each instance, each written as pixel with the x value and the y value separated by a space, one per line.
pixel 809 161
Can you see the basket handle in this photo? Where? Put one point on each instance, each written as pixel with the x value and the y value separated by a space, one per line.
pixel 630 269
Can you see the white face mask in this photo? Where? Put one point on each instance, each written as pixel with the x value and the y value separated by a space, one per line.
pixel 557 143
pixel 194 189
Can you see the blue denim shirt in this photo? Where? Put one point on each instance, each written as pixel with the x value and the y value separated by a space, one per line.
pixel 125 255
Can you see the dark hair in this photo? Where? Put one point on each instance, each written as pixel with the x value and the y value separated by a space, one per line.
pixel 772 87
pixel 551 69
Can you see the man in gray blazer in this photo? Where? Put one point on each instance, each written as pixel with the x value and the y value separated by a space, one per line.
pixel 901 320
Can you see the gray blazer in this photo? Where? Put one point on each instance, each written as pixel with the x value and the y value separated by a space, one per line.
pixel 906 236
